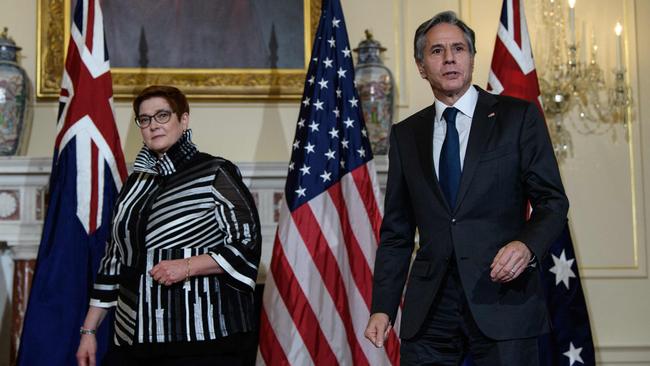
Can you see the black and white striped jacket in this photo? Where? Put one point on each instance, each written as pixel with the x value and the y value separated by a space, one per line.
pixel 184 204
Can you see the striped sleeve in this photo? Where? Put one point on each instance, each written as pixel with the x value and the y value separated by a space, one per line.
pixel 236 214
pixel 106 287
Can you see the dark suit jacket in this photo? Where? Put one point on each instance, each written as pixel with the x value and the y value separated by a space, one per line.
pixel 509 161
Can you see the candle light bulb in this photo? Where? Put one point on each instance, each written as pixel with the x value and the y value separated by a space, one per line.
pixel 618 29
pixel 619 47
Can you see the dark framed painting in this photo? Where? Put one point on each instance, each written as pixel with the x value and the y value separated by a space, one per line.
pixel 211 49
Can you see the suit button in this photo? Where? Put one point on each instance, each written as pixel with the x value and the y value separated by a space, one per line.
pixel 453 221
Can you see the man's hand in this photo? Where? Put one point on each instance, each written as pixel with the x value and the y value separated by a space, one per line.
pixel 510 262
pixel 377 329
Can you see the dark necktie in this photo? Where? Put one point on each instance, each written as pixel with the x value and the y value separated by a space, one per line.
pixel 449 164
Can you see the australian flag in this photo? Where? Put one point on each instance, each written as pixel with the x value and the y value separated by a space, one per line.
pixel 87 173
pixel 513 73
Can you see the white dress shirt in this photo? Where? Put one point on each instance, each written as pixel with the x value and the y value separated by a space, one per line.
pixel 466 105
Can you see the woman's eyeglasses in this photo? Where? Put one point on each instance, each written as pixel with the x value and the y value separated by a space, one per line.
pixel 161 117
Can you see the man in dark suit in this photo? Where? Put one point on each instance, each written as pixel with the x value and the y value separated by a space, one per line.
pixel 461 173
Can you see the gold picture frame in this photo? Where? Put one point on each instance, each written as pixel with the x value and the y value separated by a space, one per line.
pixel 211 84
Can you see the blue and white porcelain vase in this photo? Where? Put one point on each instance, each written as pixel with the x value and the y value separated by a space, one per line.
pixel 376 89
pixel 14 95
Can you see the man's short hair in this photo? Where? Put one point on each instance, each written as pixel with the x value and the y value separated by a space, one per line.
pixel 448 17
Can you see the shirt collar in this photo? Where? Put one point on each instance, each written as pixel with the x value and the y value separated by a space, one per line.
pixel 183 150
pixel 466 104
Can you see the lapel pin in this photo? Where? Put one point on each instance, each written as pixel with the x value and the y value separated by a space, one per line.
pixel 491 114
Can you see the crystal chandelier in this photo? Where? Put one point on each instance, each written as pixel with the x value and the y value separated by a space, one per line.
pixel 570 83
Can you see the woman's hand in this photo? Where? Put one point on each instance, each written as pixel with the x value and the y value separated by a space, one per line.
pixel 170 271
pixel 87 350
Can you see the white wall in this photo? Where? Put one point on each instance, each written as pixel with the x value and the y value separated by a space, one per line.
pixel 605 180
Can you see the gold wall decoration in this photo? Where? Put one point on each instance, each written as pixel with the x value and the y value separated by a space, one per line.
pixel 198 83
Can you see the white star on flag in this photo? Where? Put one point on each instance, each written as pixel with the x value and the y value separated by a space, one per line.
pixel 313 126
pixel 336 112
pixel 330 154
pixel 341 72
pixel 361 152
pixel 305 170
pixel 311 80
pixel 301 123
pixel 291 165
pixel 335 22
pixel 296 144
pixel 326 176
pixel 353 102
pixel 562 269
pixel 338 92
pixel 345 143
pixel 309 148
pixel 349 122
pixel 332 42
pixel 334 133
pixel 318 104
pixel 301 191
pixel 573 354
pixel 346 52
pixel 327 62
pixel 323 83
pixel 306 102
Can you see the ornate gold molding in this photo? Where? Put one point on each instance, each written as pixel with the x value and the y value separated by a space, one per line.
pixel 216 84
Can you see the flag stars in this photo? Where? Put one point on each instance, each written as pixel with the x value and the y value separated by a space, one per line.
pixel 323 83
pixel 305 169
pixel 364 132
pixel 346 52
pixel 334 133
pixel 301 191
pixel 341 72
pixel 326 176
pixel 311 80
pixel 562 269
pixel 330 154
pixel 301 123
pixel 313 126
pixel 306 102
pixel 338 92
pixel 345 143
pixel 362 152
pixel 332 42
pixel 318 104
pixel 342 163
pixel 574 354
pixel 335 22
pixel 349 123
pixel 309 148
pixel 296 144
pixel 353 102
pixel 291 166
pixel 336 112
pixel 328 62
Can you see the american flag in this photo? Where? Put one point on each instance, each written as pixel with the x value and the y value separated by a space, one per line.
pixel 513 73
pixel 318 290
pixel 87 173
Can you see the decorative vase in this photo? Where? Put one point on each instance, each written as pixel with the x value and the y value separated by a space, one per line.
pixel 376 89
pixel 14 94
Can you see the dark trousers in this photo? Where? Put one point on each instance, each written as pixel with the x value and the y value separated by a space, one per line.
pixel 450 333
pixel 234 350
